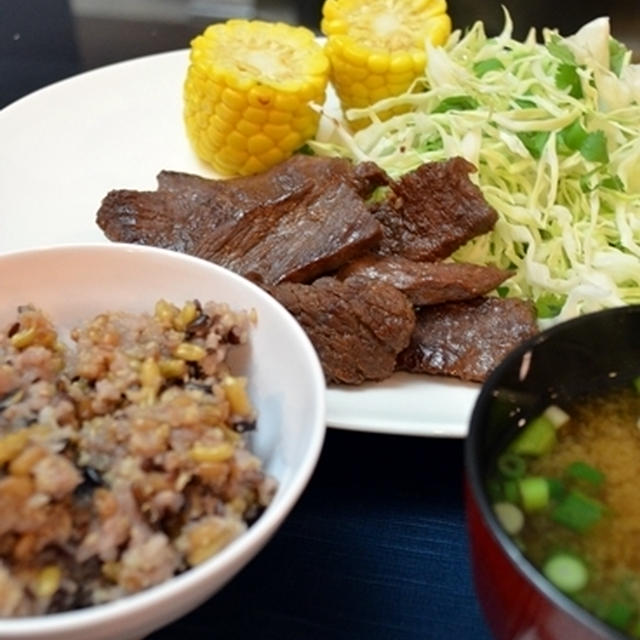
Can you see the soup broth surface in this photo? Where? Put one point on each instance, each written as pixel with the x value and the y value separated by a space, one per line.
pixel 585 510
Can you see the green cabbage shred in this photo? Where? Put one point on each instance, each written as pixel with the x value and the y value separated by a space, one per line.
pixel 553 127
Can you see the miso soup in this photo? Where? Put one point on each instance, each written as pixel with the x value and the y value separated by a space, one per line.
pixel 567 490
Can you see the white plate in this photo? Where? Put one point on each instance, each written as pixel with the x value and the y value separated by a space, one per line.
pixel 65 146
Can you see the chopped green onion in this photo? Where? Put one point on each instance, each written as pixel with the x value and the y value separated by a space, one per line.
pixel 511 492
pixel 577 512
pixel 549 305
pixel 619 614
pixel 509 516
pixel 534 493
pixel 556 415
pixel 511 465
pixel 566 572
pixel 536 438
pixel 583 471
pixel 557 490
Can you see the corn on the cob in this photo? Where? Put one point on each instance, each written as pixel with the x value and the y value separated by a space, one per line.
pixel 377 48
pixel 248 92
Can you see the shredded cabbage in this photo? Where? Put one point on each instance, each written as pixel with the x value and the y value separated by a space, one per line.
pixel 553 128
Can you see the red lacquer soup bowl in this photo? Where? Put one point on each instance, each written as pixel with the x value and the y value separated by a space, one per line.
pixel 571 359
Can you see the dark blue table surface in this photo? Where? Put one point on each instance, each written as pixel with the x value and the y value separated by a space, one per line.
pixel 376 547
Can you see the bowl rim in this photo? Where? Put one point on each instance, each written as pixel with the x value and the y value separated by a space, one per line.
pixel 520 563
pixel 196 578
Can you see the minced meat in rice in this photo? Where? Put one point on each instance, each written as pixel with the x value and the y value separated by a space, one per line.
pixel 122 457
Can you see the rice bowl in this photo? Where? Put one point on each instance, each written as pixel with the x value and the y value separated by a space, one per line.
pixel 288 394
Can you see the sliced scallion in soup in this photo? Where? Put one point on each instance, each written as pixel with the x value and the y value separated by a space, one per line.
pixel 566 490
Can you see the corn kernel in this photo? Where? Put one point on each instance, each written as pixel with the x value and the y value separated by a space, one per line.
pixel 235 389
pixel 273 156
pixel 186 315
pixel 150 375
pixel 172 367
pixel 212 453
pixel 233 98
pixel 111 570
pixel 246 128
pixel 23 339
pixel 207 538
pixel 291 140
pixel 257 116
pixel 165 311
pixel 237 141
pixel 276 132
pixel 190 352
pixel 253 165
pixel 48 581
pixel 12 444
pixel 259 144
pixel 280 117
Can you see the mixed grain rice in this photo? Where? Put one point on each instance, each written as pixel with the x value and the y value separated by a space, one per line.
pixel 122 457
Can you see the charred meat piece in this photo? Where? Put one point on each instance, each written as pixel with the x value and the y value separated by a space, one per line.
pixel 357 327
pixel 426 282
pixel 432 211
pixel 295 222
pixel 296 173
pixel 467 339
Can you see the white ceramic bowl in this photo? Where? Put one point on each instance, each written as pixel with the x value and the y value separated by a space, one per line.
pixel 71 283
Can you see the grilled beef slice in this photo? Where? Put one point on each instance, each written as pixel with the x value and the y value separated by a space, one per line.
pixel 297 221
pixel 357 327
pixel 432 211
pixel 467 339
pixel 426 282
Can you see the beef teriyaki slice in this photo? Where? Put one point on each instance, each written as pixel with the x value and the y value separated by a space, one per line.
pixel 433 210
pixel 469 339
pixel 296 173
pixel 288 224
pixel 427 282
pixel 357 327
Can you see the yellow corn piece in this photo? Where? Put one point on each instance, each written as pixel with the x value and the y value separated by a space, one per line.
pixel 47 581
pixel 186 315
pixel 12 445
pixel 172 367
pixel 235 389
pixel 212 453
pixel 165 311
pixel 189 351
pixel 248 92
pixel 377 48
